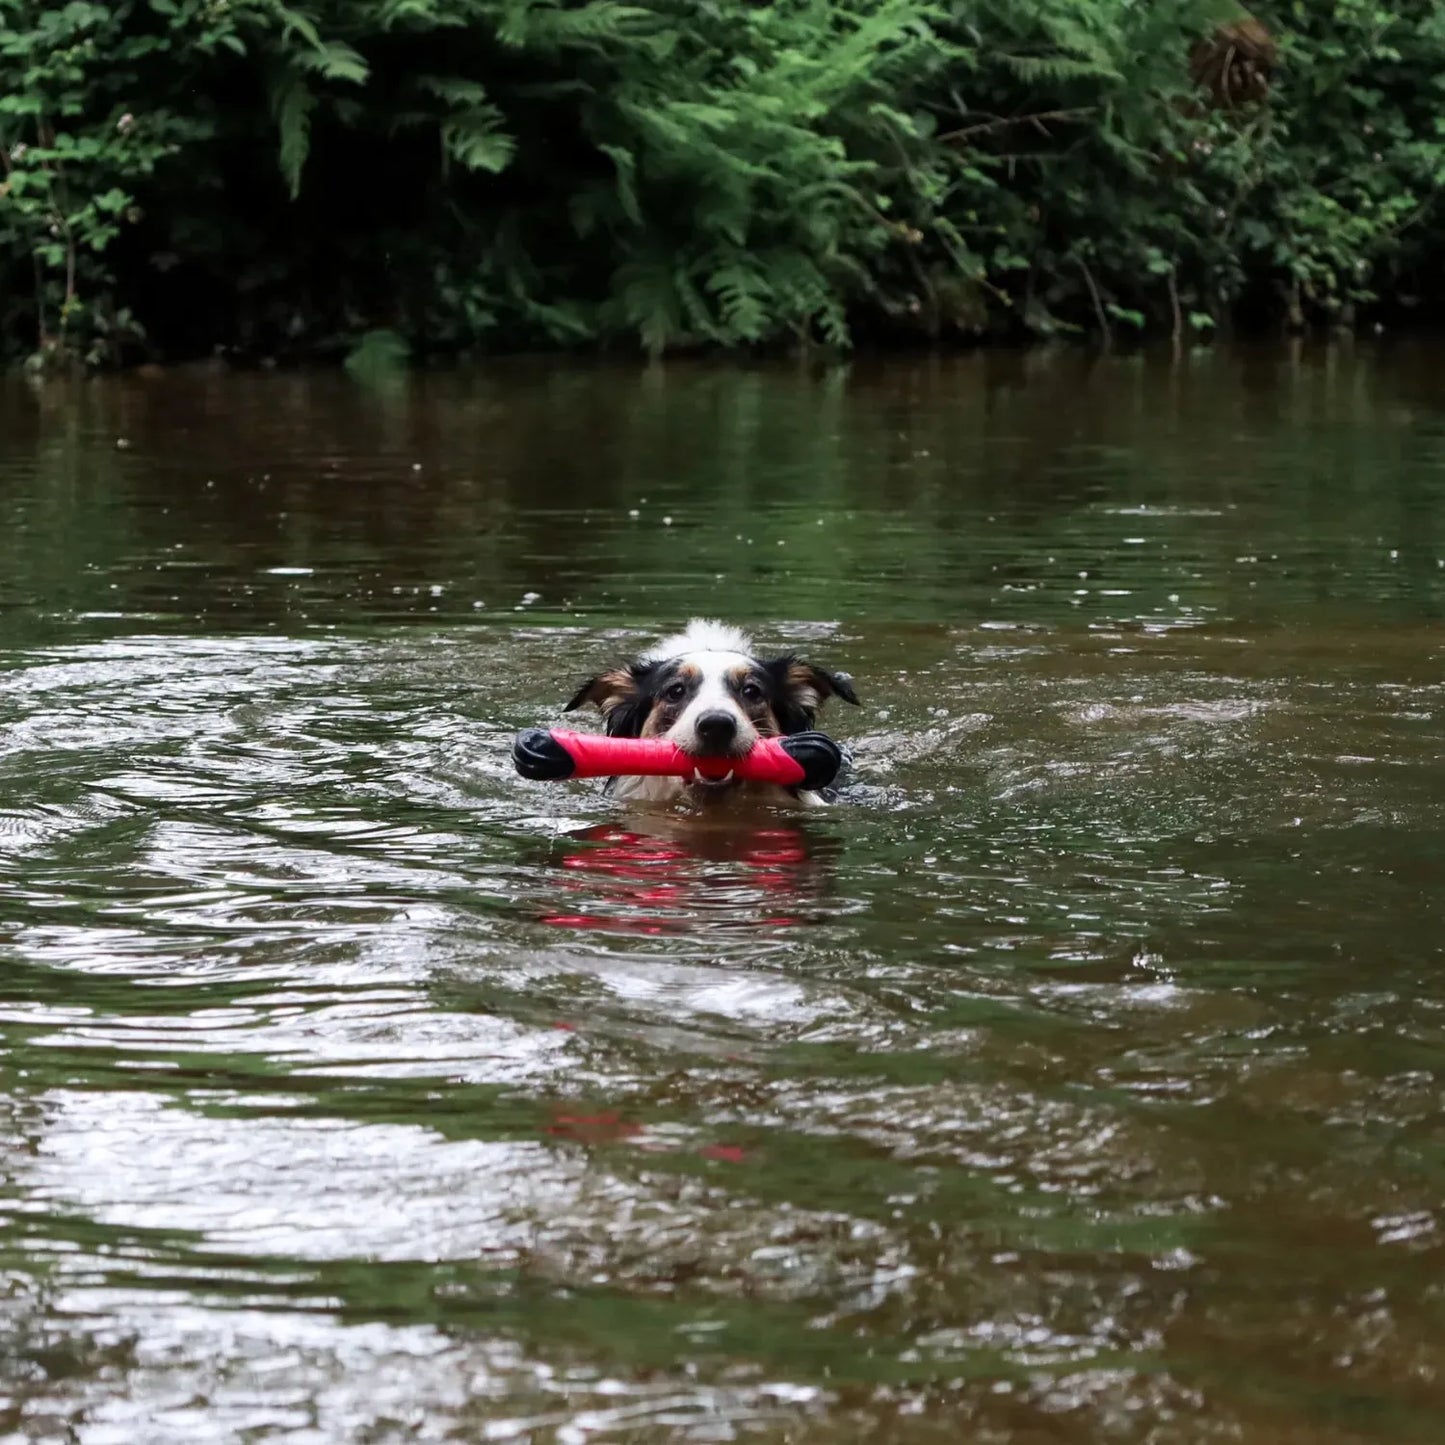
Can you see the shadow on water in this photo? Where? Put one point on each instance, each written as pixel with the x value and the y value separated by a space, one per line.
pixel 1076 1080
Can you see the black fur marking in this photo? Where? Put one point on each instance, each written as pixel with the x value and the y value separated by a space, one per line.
pixel 627 719
pixel 841 683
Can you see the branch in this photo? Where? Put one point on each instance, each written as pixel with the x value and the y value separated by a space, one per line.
pixel 1003 122
pixel 1098 302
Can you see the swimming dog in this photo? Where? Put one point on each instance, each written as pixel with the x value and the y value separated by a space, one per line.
pixel 704 691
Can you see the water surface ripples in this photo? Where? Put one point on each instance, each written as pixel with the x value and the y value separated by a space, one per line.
pixel 1076 1079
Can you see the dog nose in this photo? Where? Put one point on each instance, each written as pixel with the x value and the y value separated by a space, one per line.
pixel 717 729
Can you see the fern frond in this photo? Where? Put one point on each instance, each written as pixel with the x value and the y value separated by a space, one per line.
pixel 545 25
pixel 292 102
pixel 393 14
pixel 647 294
pixel 456 90
pixel 478 142
pixel 804 296
pixel 332 60
pixel 725 211
pixel 742 295
pixel 294 23
pixel 626 164
pixel 1056 69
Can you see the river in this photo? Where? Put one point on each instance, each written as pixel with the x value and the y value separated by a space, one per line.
pixel 1075 1079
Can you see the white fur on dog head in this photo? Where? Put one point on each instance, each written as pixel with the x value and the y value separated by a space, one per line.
pixel 712 649
pixel 701 635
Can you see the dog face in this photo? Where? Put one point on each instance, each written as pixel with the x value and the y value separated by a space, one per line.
pixel 706 693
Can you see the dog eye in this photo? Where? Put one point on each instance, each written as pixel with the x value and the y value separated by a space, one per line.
pixel 676 692
pixel 752 692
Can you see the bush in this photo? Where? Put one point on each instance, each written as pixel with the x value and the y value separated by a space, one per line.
pixel 278 179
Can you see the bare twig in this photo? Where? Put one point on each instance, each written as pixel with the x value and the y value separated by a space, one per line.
pixel 1178 313
pixel 1003 122
pixel 1098 302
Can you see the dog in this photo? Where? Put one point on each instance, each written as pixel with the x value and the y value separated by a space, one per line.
pixel 705 692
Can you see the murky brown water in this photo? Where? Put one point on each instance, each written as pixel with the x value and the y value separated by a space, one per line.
pixel 1078 1080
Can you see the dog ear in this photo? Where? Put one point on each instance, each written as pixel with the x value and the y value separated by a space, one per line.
pixel 803 689
pixel 595 690
pixel 831 684
pixel 617 694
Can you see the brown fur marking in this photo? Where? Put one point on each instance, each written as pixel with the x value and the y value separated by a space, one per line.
pixel 802 682
pixel 614 688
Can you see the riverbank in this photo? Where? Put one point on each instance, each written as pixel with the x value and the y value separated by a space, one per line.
pixel 389 182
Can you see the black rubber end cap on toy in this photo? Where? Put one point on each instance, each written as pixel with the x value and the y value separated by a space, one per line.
pixel 538 755
pixel 818 755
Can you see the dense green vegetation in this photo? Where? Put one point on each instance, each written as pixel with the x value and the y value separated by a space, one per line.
pixel 367 176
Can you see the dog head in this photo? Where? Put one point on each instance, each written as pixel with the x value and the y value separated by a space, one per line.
pixel 705 692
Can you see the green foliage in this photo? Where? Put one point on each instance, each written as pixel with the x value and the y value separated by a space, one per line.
pixel 674 173
pixel 1344 172
pixel 378 355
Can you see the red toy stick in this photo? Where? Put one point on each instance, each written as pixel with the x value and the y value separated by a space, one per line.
pixel 804 760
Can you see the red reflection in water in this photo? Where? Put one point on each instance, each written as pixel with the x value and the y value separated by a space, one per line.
pixel 593 1128
pixel 679 877
pixel 728 1153
pixel 610 1127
